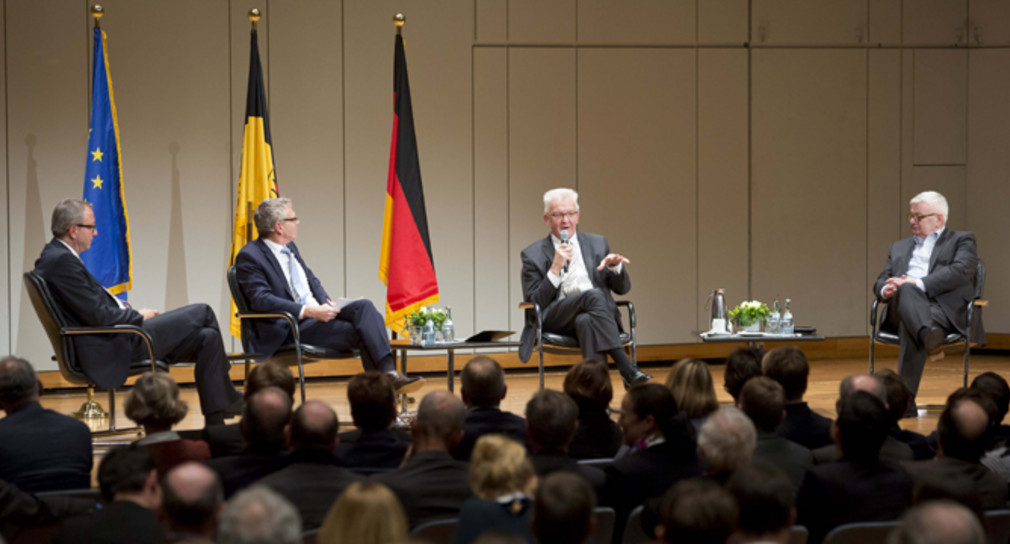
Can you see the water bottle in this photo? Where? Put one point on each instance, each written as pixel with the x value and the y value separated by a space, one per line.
pixel 787 320
pixel 448 332
pixel 428 337
pixel 774 325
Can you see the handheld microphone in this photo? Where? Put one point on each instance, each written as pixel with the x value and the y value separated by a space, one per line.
pixel 564 240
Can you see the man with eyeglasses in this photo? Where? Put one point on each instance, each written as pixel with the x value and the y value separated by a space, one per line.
pixel 570 275
pixel 274 278
pixel 188 334
pixel 927 283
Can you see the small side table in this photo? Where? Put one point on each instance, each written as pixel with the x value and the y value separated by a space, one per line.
pixel 756 339
pixel 404 346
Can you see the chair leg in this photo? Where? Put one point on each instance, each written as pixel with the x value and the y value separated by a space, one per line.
pixel 301 373
pixel 872 347
pixel 967 355
pixel 541 349
pixel 112 409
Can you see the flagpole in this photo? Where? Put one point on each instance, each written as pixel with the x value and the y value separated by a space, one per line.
pixel 97 11
pixel 399 20
pixel 254 17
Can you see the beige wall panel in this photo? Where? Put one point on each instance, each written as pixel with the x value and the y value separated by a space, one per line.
pixel 637 160
pixel 885 22
pixel 536 21
pixel 542 136
pixel 934 22
pixel 801 22
pixel 950 181
pixel 6 278
pixel 492 20
pixel 987 189
pixel 636 21
pixel 723 22
pixel 306 121
pixel 47 137
pixel 989 22
pixel 809 185
pixel 723 184
pixel 940 106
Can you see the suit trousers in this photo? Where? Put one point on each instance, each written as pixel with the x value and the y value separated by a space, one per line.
pixel 358 326
pixel 588 316
pixel 908 312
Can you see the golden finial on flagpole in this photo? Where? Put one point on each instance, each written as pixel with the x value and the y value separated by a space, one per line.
pixel 97 11
pixel 254 16
pixel 398 20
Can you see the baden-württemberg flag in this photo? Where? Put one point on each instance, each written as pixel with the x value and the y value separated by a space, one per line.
pixel 256 180
pixel 109 258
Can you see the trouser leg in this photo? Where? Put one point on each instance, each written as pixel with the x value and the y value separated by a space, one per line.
pixel 590 317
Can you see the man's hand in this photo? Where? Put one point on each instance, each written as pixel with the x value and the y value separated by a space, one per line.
pixel 893 284
pixel 612 259
pixel 148 313
pixel 562 255
pixel 322 312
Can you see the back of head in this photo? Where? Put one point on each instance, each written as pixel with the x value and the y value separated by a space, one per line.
pixel 366 512
pixel 440 416
pixel 898 395
pixel 373 401
pixel 938 522
pixel 963 430
pixel 862 382
pixel 18 382
pixel 68 212
pixel 588 383
pixel 258 515
pixel 763 400
pixel 741 365
pixel 551 419
pixel 862 424
pixel 563 509
pixel 124 470
pixel 154 401
pixel 765 496
pixel 191 498
pixel 788 366
pixel 266 414
pixel 996 388
pixel 498 467
pixel 652 399
pixel 314 426
pixel 727 439
pixel 270 374
pixel 690 381
pixel 482 382
pixel 698 511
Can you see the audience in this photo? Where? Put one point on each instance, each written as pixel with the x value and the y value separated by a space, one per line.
pixel 993 386
pixel 726 442
pixel 483 388
pixel 898 397
pixel 365 513
pixel 374 444
pixel 763 400
pixel 40 450
pixel 596 436
pixel 938 522
pixel 563 510
pixel 690 381
pixel 893 450
pixel 788 366
pixel 766 499
pixel 741 365
pixel 191 500
pixel 698 512
pixel 19 510
pixel 154 404
pixel 431 484
pixel 503 483
pixel 551 419
pixel 259 516
pixel 227 439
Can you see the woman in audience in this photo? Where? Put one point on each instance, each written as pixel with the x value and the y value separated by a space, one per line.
pixel 154 404
pixel 691 384
pixel 597 436
pixel 503 483
pixel 365 513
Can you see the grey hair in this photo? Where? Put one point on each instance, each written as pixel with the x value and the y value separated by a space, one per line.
pixel 18 380
pixel 727 439
pixel 270 212
pixel 259 516
pixel 934 199
pixel 67 213
pixel 559 194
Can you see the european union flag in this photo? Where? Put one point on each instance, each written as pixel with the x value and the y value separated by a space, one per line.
pixel 109 259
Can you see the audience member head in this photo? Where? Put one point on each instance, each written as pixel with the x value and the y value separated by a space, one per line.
pixel 938 522
pixel 764 401
pixel 649 408
pixel 697 511
pixel 563 509
pixel 766 499
pixel 551 420
pixel 741 365
pixel 788 366
pixel 860 382
pixel 726 440
pixel 257 515
pixel 365 513
pixel 996 388
pixel 439 422
pixel 483 383
pixel 267 412
pixel 963 430
pixel 127 473
pixel 861 427
pixel 191 499
pixel 270 374
pixel 270 212
pixel 313 426
pixel 898 394
pixel 154 402
pixel 18 384
pixel 690 381
pixel 932 486
pixel 588 383
pixel 68 212
pixel 373 401
pixel 499 467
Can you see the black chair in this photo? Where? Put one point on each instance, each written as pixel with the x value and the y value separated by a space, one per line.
pixel 976 333
pixel 310 536
pixel 869 532
pixel 603 531
pixel 599 462
pixel 559 343
pixel 59 331
pixel 633 533
pixel 294 353
pixel 798 534
pixel 441 531
pixel 997 525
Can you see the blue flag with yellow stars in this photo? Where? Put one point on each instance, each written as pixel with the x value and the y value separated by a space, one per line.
pixel 109 259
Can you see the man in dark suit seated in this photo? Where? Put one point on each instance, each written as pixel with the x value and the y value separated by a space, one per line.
pixel 185 334
pixel 570 275
pixel 129 484
pixel 274 278
pixel 767 501
pixel 431 484
pixel 859 487
pixel 373 408
pixel 258 515
pixel 191 500
pixel 483 388
pixel 893 450
pixel 563 510
pixel 263 422
pixel 312 479
pixel 788 365
pixel 697 511
pixel 763 400
pixel 927 283
pixel 40 450
pixel 551 418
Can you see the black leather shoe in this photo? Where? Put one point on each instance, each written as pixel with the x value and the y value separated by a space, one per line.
pixel 406 384
pixel 235 409
pixel 636 378
pixel 933 338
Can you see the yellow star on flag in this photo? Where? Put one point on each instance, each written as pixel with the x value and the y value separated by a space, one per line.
pixel 97 155
pixel 97 182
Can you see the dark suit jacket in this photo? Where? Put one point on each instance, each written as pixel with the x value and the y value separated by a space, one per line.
pixel 921 449
pixel 792 458
pixel 430 485
pixel 312 481
pixel 537 259
pixel 223 440
pixel 479 516
pixel 892 451
pixel 43 450
pixel 546 462
pixel 263 282
pixel 596 437
pixel 990 489
pixel 123 522
pixel 487 420
pixel 805 427
pixel 26 510
pixel 380 449
pixel 240 471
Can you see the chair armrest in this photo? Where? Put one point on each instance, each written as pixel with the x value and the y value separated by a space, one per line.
pixel 981 302
pixel 292 322
pixel 632 320
pixel 873 313
pixel 115 329
pixel 524 305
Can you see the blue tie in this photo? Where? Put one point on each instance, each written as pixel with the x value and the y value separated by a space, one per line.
pixel 301 290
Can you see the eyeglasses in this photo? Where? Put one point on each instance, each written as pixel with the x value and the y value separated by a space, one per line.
pixel 919 216
pixel 92 227
pixel 559 215
pixel 291 219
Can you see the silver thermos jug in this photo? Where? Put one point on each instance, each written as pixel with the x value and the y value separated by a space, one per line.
pixel 718 314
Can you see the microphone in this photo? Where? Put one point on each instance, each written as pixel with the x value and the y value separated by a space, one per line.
pixel 564 240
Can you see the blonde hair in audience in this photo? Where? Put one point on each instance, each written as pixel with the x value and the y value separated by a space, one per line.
pixel 499 467
pixel 365 513
pixel 154 400
pixel 690 381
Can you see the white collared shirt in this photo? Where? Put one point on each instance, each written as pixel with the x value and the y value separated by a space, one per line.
pixel 577 279
pixel 283 259
pixel 918 265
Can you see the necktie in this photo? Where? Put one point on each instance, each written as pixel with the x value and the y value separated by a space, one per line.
pixel 297 283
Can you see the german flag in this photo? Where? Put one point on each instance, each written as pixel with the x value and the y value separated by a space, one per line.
pixel 256 180
pixel 405 265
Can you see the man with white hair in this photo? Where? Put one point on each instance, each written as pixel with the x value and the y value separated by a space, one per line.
pixel 570 276
pixel 938 522
pixel 259 516
pixel 927 283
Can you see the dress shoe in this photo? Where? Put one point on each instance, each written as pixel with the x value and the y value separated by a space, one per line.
pixel 406 384
pixel 635 378
pixel 933 339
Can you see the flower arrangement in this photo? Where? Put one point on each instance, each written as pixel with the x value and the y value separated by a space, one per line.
pixel 424 314
pixel 749 312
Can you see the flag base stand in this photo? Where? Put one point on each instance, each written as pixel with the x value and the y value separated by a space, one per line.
pixel 90 409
